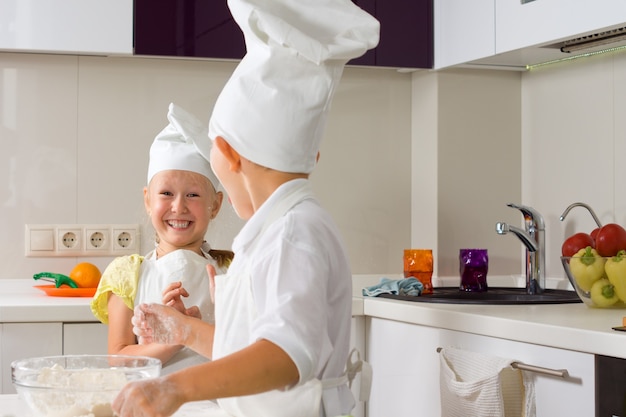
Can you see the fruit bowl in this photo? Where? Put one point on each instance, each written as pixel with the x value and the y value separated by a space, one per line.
pixel 77 385
pixel 592 284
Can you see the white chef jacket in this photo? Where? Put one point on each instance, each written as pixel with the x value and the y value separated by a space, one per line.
pixel 302 288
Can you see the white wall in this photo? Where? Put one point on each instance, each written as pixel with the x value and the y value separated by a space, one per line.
pixel 75 134
pixel 574 145
pixel 466 165
pixel 545 139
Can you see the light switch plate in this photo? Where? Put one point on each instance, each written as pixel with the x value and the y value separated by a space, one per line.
pixel 73 240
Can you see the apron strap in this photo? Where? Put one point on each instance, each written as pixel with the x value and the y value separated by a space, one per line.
pixel 352 369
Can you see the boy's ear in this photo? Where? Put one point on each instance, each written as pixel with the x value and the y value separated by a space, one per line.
pixel 231 155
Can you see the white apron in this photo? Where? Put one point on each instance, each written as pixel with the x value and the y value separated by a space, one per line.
pixel 239 311
pixel 189 268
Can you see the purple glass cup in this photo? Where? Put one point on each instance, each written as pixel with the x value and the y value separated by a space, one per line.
pixel 473 267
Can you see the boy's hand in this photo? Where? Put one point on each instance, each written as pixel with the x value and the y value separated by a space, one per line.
pixel 156 323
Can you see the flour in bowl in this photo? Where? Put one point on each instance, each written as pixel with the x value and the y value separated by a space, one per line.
pixel 76 393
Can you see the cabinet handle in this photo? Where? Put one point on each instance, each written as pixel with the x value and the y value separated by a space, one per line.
pixel 560 373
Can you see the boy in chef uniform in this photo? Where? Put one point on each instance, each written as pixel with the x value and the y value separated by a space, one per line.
pixel 181 200
pixel 283 311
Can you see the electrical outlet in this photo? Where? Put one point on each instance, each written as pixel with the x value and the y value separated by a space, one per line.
pixel 97 240
pixel 125 239
pixel 69 239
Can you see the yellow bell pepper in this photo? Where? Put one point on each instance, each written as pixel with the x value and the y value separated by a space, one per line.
pixel 616 272
pixel 586 266
pixel 603 293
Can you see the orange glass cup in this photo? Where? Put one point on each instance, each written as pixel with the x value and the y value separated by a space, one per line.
pixel 418 263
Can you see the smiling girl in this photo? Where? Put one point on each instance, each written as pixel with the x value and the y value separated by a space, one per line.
pixel 181 199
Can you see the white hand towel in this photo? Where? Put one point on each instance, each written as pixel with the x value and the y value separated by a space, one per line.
pixel 477 385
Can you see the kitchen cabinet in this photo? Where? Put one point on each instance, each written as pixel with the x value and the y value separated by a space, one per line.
pixel 406 34
pixel 187 28
pixel 357 341
pixel 85 338
pixel 540 21
pixel 200 29
pixel 23 340
pixel 406 365
pixel 513 33
pixel 464 31
pixel 67 26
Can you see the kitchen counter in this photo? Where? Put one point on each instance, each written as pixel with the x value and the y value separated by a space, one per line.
pixel 12 406
pixel 20 302
pixel 566 326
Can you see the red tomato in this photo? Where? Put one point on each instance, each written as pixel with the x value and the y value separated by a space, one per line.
pixel 575 243
pixel 611 238
pixel 594 233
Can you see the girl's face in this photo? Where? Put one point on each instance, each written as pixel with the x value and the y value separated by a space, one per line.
pixel 180 205
pixel 233 182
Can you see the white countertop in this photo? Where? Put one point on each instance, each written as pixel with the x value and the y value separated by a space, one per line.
pixel 20 302
pixel 11 405
pixel 566 326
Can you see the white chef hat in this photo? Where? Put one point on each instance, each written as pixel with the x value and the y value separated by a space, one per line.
pixel 273 109
pixel 175 146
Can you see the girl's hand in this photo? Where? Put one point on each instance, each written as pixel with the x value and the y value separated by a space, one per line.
pixel 156 323
pixel 172 296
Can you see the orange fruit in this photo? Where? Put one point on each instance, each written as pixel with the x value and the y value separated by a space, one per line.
pixel 86 275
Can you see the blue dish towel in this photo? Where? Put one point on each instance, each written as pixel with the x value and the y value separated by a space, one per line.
pixel 405 286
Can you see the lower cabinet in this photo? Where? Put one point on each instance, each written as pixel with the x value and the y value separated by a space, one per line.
pixel 357 341
pixel 406 370
pixel 24 340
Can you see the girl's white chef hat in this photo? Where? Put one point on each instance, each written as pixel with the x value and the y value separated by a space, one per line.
pixel 175 146
pixel 273 109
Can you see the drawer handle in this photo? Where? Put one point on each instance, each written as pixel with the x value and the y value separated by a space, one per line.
pixel 560 373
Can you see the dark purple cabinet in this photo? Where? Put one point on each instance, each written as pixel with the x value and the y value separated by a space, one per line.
pixel 187 28
pixel 406 33
pixel 205 29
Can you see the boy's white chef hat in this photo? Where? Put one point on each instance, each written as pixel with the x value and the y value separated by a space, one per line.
pixel 273 109
pixel 175 146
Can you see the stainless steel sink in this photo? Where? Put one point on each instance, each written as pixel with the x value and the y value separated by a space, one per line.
pixel 497 295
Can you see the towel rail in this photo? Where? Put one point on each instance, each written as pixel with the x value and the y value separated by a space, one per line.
pixel 560 373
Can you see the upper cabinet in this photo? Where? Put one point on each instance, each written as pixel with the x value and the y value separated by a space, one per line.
pixel 67 26
pixel 406 34
pixel 464 31
pixel 520 24
pixel 190 28
pixel 187 28
pixel 517 32
pixel 205 29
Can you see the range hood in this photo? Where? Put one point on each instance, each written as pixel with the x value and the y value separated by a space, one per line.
pixel 614 38
pixel 522 59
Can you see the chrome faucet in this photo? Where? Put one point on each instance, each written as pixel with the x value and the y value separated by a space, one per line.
pixel 534 240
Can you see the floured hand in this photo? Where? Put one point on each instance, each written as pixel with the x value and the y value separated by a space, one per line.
pixel 156 323
pixel 154 398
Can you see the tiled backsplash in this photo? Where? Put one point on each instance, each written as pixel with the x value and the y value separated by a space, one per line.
pixel 75 134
